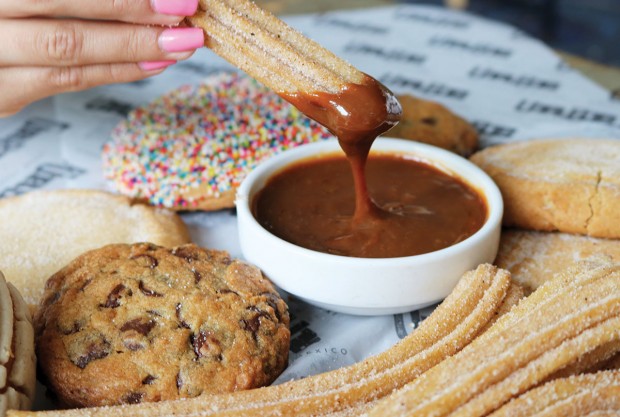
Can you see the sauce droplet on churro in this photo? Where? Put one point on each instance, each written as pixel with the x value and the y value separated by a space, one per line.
pixel 356 115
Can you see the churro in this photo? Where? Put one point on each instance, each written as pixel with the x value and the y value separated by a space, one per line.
pixel 599 359
pixel 453 325
pixel 265 47
pixel 350 104
pixel 322 85
pixel 570 316
pixel 575 396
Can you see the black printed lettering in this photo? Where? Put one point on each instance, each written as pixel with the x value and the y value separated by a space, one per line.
pixel 448 22
pixel 486 128
pixel 572 114
pixel 42 175
pixel 386 54
pixel 475 48
pixel 302 337
pixel 427 88
pixel 399 326
pixel 30 129
pixel 351 26
pixel 109 105
pixel 512 79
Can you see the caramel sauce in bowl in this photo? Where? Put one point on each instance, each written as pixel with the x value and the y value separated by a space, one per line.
pixel 353 284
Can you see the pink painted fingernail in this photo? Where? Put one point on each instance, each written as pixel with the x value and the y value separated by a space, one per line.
pixel 181 39
pixel 175 7
pixel 155 65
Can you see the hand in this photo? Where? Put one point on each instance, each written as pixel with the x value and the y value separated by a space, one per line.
pixel 55 46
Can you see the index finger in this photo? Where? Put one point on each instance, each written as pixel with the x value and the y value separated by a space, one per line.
pixel 156 12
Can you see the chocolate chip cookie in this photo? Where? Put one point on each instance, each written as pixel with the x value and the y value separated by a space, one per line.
pixel 430 122
pixel 133 323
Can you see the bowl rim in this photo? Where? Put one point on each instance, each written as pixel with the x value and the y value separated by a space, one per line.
pixel 445 160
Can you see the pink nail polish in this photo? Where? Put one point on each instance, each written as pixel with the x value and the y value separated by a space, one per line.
pixel 181 39
pixel 175 7
pixel 155 65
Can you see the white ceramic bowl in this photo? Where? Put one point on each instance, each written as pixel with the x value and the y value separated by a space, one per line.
pixel 361 285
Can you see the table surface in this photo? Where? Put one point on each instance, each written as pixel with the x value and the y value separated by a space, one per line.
pixel 606 76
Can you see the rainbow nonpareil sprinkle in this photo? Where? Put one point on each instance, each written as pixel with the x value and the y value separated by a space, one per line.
pixel 213 133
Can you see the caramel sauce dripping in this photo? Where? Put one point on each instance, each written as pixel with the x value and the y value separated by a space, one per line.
pixel 356 115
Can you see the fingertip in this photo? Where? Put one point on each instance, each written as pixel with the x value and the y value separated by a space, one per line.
pixel 177 8
pixel 155 66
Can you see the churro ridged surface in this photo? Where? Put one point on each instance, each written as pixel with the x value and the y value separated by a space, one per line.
pixel 271 51
pixel 573 314
pixel 574 396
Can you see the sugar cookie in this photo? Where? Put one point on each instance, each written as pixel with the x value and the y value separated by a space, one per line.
pixel 566 185
pixel 44 230
pixel 535 257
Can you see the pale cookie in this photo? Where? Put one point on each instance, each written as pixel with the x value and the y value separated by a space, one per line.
pixel 44 230
pixel 535 257
pixel 17 359
pixel 430 122
pixel 125 324
pixel 566 185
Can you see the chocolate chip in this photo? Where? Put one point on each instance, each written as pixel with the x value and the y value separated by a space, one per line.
pixel 147 291
pixel 114 298
pixel 76 327
pixel 186 252
pixel 198 343
pixel 85 284
pixel 197 276
pixel 227 291
pixel 132 398
pixel 52 298
pixel 182 323
pixel 431 121
pixel 148 380
pixel 226 260
pixel 140 325
pixel 146 260
pixel 97 349
pixel 251 325
pixel 206 344
pixel 272 301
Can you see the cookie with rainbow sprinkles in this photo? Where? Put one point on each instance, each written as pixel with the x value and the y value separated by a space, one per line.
pixel 191 148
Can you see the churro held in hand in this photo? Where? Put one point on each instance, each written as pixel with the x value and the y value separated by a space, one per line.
pixel 322 85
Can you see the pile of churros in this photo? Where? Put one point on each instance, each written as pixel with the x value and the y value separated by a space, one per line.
pixel 483 351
